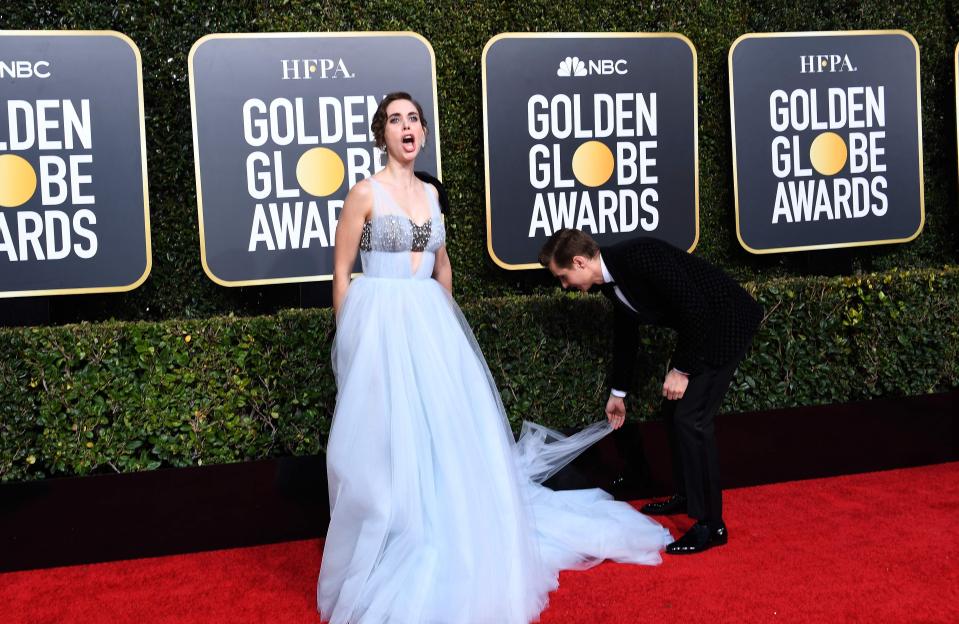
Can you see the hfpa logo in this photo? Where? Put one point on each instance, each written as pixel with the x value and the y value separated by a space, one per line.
pixel 573 66
pixel 305 69
pixel 819 63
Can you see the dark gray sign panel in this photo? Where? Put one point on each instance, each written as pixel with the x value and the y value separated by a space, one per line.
pixel 74 213
pixel 594 131
pixel 827 141
pixel 281 132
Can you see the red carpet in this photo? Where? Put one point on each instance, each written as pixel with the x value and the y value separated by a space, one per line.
pixel 878 547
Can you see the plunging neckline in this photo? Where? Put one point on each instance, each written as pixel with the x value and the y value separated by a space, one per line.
pixel 389 196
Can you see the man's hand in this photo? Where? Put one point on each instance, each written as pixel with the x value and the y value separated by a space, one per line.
pixel 616 411
pixel 675 385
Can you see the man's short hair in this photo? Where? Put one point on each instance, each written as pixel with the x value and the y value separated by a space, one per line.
pixel 564 245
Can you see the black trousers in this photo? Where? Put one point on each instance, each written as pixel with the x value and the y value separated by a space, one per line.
pixel 692 440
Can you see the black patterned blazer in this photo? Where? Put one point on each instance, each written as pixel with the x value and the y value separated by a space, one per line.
pixel 713 316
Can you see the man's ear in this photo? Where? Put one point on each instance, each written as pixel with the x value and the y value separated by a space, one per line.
pixel 579 262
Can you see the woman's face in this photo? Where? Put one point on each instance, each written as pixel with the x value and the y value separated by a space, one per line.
pixel 404 134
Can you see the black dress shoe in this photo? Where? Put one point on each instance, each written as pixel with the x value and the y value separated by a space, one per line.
pixel 673 505
pixel 698 538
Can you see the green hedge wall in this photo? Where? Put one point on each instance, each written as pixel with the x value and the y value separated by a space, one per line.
pixel 165 31
pixel 123 397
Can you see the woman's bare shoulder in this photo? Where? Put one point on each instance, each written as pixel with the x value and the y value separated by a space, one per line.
pixel 360 199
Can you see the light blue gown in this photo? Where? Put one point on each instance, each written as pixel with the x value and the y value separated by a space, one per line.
pixel 437 513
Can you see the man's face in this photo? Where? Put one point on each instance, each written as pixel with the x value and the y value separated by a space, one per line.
pixel 577 275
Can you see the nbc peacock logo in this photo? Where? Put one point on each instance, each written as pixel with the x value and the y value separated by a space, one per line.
pixel 572 66
pixel 575 66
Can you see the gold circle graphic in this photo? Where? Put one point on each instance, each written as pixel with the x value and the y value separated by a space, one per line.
pixel 320 171
pixel 592 163
pixel 18 181
pixel 828 153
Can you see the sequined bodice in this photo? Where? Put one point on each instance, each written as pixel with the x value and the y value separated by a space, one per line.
pixel 390 236
pixel 393 235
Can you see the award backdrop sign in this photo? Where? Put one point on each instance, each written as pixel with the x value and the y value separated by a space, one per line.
pixel 281 132
pixel 591 131
pixel 74 215
pixel 827 143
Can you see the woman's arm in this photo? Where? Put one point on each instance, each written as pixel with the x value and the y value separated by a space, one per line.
pixel 349 229
pixel 442 271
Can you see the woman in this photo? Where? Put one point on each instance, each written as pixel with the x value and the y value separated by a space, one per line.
pixel 437 515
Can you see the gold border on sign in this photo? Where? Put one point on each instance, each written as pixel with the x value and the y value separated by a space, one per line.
pixel 732 119
pixel 143 164
pixel 586 35
pixel 196 142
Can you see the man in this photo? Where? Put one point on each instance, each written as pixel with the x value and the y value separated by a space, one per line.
pixel 652 283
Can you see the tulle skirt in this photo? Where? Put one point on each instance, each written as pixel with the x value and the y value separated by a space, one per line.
pixel 437 514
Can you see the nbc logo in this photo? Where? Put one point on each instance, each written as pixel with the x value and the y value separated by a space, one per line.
pixel 572 66
pixel 24 69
